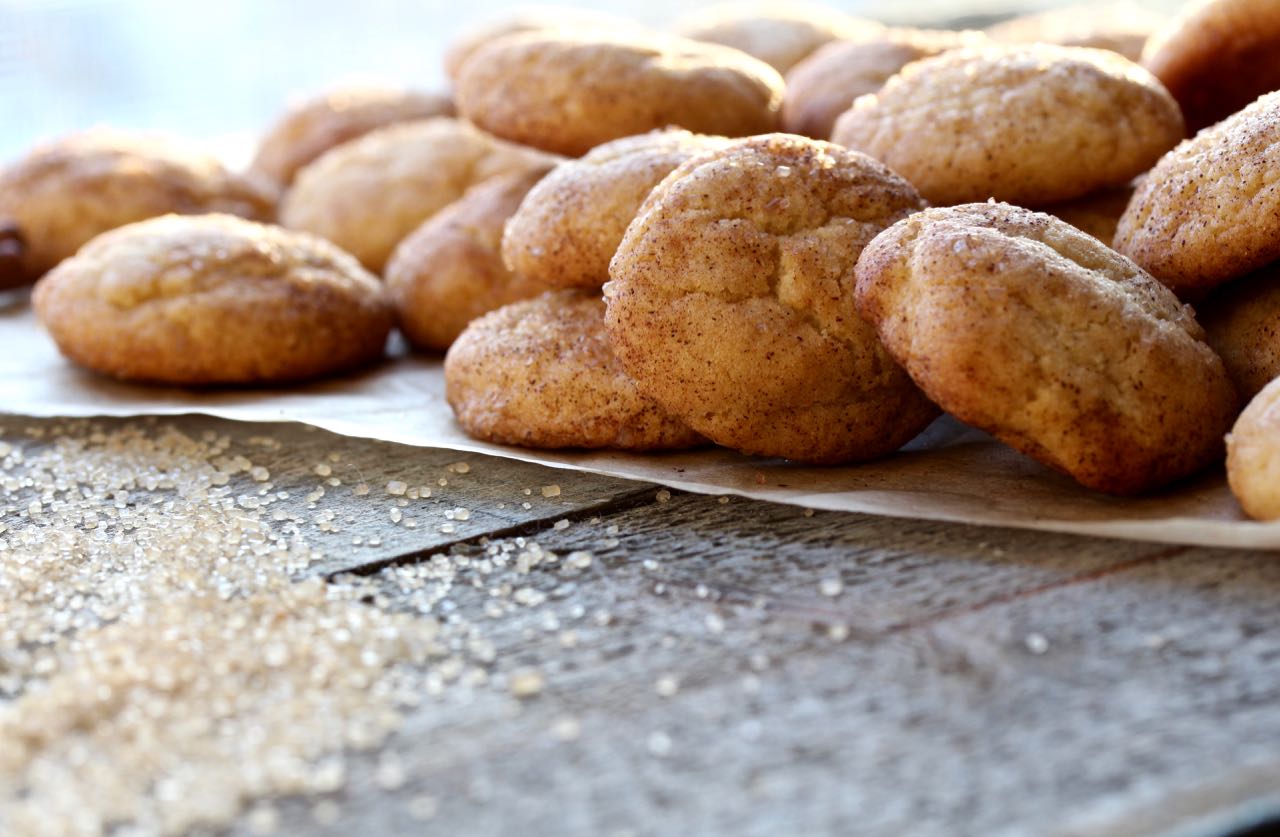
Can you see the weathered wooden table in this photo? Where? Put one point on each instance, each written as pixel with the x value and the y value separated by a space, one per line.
pixel 740 667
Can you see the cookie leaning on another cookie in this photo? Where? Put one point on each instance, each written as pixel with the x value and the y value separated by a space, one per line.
pixel 570 90
pixel 213 299
pixel 1217 56
pixel 1253 455
pixel 568 228
pixel 63 194
pixel 1209 210
pixel 368 194
pixel 313 127
pixel 1021 325
pixel 731 301
pixel 1030 124
pixel 540 373
pixel 449 271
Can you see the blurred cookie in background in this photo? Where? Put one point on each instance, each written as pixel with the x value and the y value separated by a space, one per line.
pixel 313 127
pixel 1119 27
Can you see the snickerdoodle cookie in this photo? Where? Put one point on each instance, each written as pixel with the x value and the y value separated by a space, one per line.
pixel 1019 324
pixel 449 271
pixel 1031 124
pixel 313 127
pixel 540 373
pixel 1210 209
pixel 526 18
pixel 1217 56
pixel 1253 455
pixel 569 226
pixel 63 194
pixel 825 85
pixel 731 301
pixel 779 34
pixel 1120 27
pixel 571 90
pixel 368 194
pixel 1242 320
pixel 213 299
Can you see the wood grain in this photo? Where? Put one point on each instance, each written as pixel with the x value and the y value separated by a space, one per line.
pixel 962 681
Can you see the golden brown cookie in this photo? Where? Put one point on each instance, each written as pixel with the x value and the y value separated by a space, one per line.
pixel 65 193
pixel 213 299
pixel 1210 211
pixel 1021 325
pixel 779 34
pixel 1242 320
pixel 571 90
pixel 1253 455
pixel 1097 214
pixel 540 373
pixel 313 127
pixel 449 271
pixel 1031 124
pixel 567 229
pixel 1217 56
pixel 12 248
pixel 1119 27
pixel 368 194
pixel 530 18
pixel 731 301
pixel 825 84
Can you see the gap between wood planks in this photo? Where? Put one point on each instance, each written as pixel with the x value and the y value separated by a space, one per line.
pixel 806 610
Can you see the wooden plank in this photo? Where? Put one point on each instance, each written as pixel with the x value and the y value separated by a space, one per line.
pixel 993 681
pixel 498 495
pixel 743 667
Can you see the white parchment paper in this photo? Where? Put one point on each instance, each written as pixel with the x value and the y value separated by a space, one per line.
pixel 951 473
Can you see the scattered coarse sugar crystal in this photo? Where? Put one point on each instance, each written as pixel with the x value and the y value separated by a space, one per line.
pixel 461 514
pixel 663 496
pixel 560 525
pixel 396 488
pixel 808 512
pixel 838 631
pixel 659 744
pixel 551 490
pixel 460 468
pixel 390 772
pixel 666 686
pixel 323 469
pixel 526 682
pixel 361 489
pixel 1036 643
pixel 831 587
pixel 566 728
pixel 259 473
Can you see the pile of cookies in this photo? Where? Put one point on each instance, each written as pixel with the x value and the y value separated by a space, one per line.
pixel 641 240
